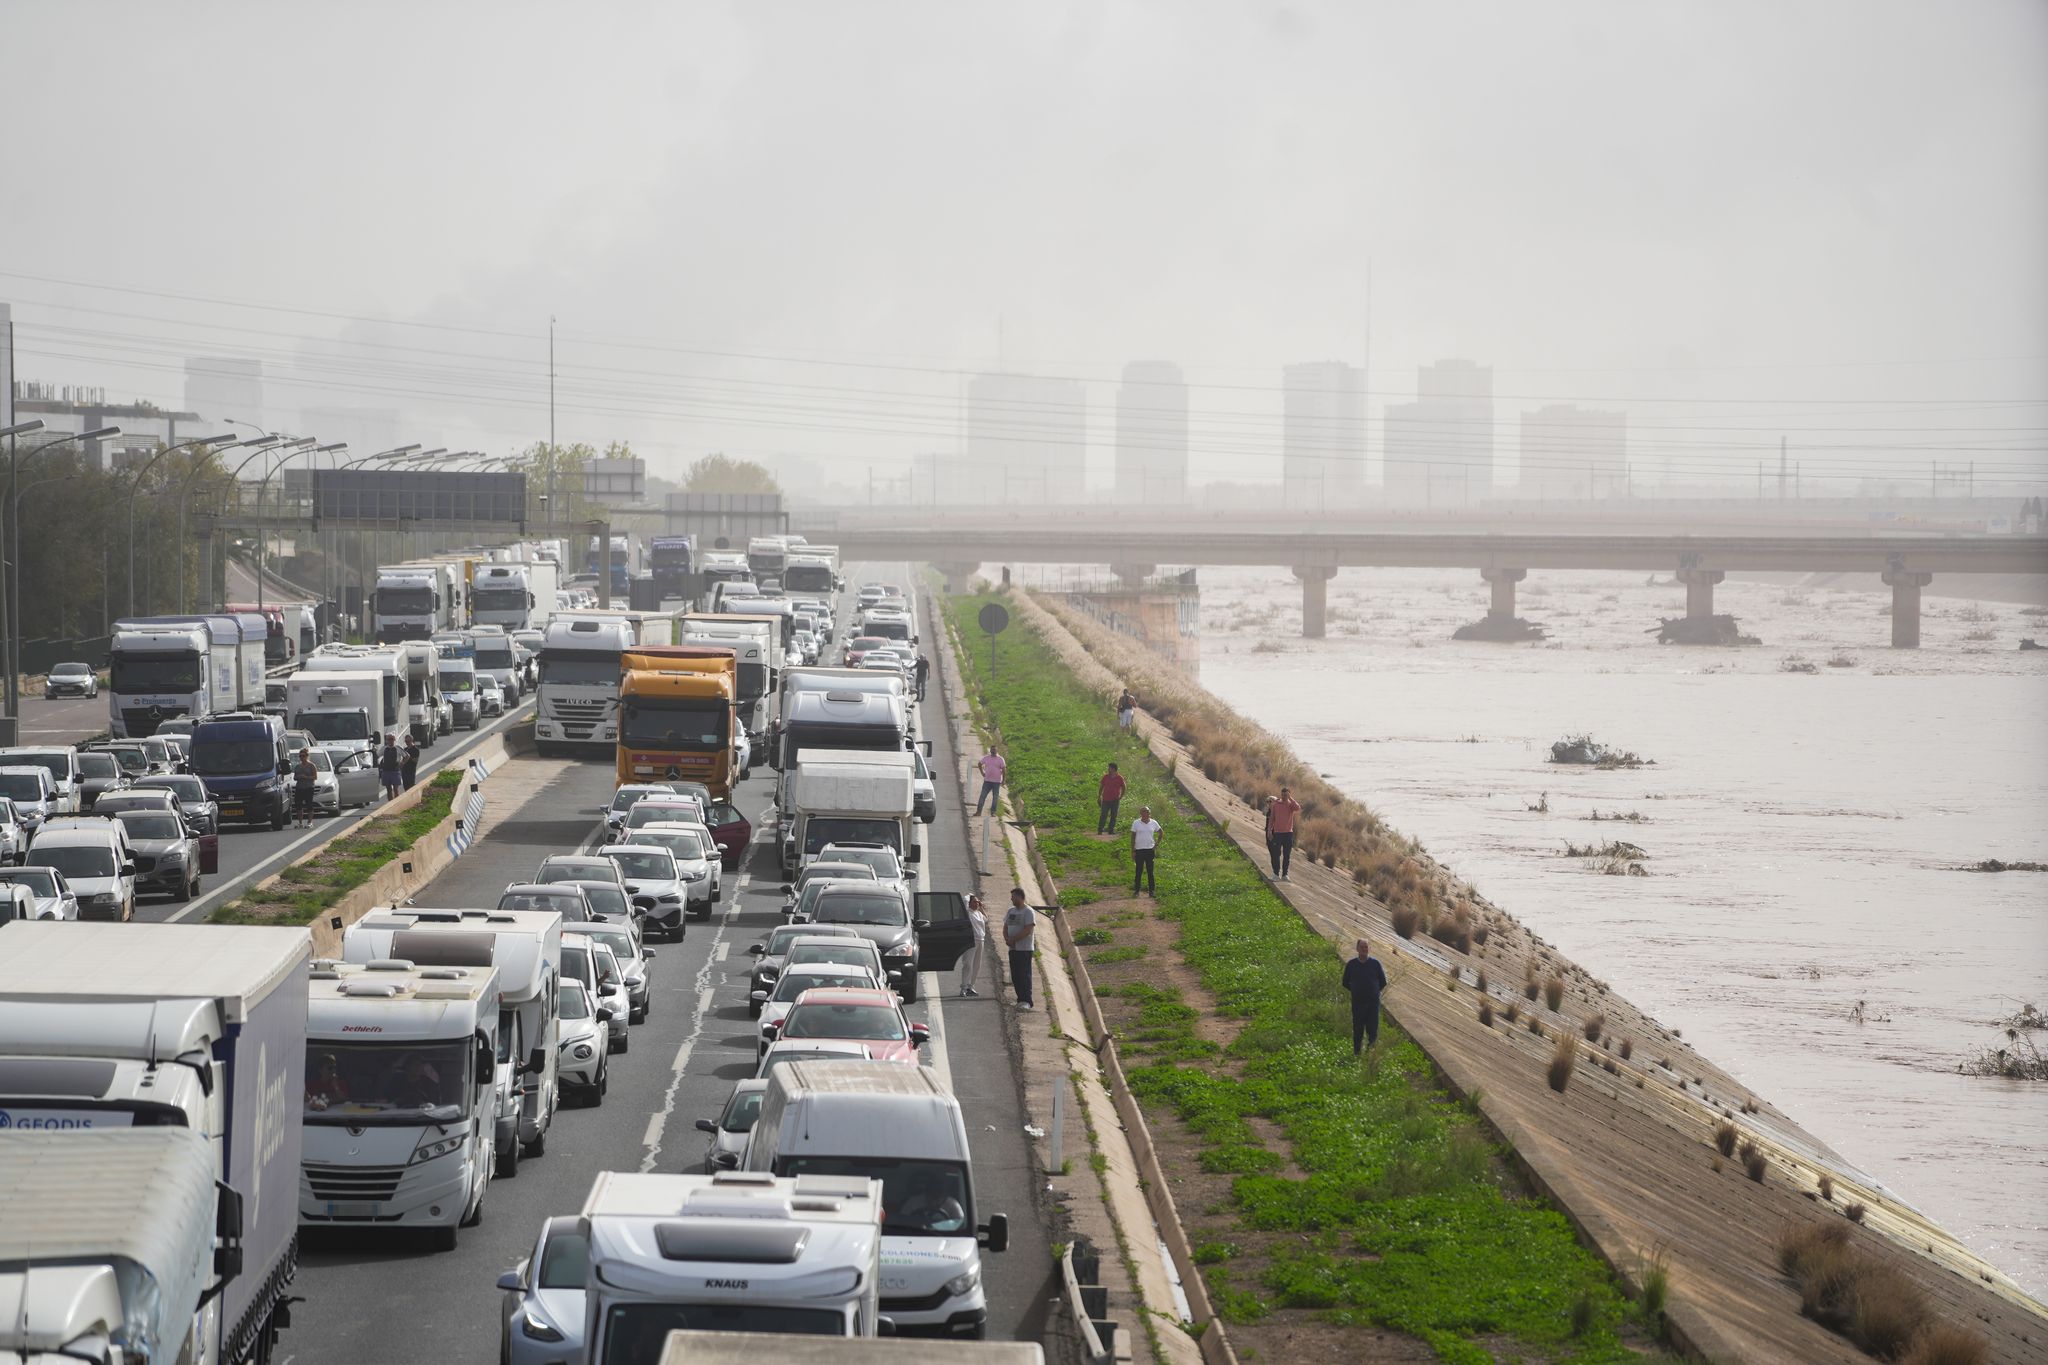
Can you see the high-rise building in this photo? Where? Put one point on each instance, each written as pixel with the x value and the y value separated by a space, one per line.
pixel 1438 450
pixel 1322 444
pixel 219 387
pixel 1152 433
pixel 1573 454
pixel 1027 442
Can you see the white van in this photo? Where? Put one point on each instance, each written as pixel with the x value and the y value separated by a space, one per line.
pixel 61 761
pixel 34 794
pixel 94 858
pixel 896 1124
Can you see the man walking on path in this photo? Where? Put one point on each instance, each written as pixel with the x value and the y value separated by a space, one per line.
pixel 1018 924
pixel 970 961
pixel 390 769
pixel 1365 977
pixel 924 669
pixel 1127 712
pixel 992 768
pixel 1281 817
pixel 409 763
pixel 1144 852
pixel 1109 794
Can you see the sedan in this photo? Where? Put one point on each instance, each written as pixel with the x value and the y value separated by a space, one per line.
pixel 490 695
pixel 729 1130
pixel 769 956
pixel 193 801
pixel 543 1309
pixel 632 960
pixel 581 1054
pixel 796 982
pixel 166 853
pixel 71 680
pixel 157 799
pixel 54 899
pixel 841 1014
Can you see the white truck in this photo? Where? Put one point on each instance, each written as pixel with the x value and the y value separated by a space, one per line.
pixel 735 1251
pixel 495 655
pixel 414 600
pixel 427 715
pixel 847 802
pixel 235 657
pixel 514 596
pixel 388 716
pixel 122 1028
pixel 760 667
pixel 159 670
pixel 526 948
pixel 896 1124
pixel 115 1246
pixel 577 702
pixel 335 707
pixel 400 1096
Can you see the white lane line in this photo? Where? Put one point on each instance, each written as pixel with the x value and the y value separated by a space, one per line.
pixel 718 954
pixel 658 1120
pixel 941 1060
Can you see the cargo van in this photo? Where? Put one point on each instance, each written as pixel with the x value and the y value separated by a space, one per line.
pixel 241 758
pixel 61 762
pixel 95 859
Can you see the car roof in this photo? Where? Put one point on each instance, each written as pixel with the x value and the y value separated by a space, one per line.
pixel 542 888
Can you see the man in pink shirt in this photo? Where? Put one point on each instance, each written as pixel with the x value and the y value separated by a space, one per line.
pixel 992 769
pixel 1281 816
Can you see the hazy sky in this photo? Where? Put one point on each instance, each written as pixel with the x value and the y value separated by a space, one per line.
pixel 810 220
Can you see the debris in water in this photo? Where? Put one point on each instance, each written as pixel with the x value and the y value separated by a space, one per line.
pixel 1505 630
pixel 1995 865
pixel 1719 629
pixel 1585 751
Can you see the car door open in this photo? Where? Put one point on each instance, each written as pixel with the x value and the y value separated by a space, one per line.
pixel 947 930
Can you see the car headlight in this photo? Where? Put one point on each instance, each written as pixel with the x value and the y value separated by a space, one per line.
pixel 101 898
pixel 670 897
pixel 583 1052
pixel 965 1281
pixel 427 1151
pixel 175 856
pixel 537 1328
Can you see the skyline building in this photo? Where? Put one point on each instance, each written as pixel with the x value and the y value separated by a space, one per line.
pixel 1322 441
pixel 1438 450
pixel 1573 454
pixel 1152 433
pixel 1027 442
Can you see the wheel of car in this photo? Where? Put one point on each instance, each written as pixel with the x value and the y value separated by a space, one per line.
pixel 191 889
pixel 476 1215
pixel 277 816
pixel 538 1147
pixel 604 1083
pixel 625 1042
pixel 753 1009
pixel 443 1239
pixel 508 1160
pixel 910 987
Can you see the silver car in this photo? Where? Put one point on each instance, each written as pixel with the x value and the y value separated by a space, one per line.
pixel 594 965
pixel 54 899
pixel 543 1316
pixel 13 834
pixel 729 1130
pixel 633 960
pixel 581 1053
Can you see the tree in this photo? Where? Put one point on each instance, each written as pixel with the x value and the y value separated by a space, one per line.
pixel 566 463
pixel 720 473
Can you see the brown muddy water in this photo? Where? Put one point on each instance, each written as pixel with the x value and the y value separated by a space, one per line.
pixel 1802 922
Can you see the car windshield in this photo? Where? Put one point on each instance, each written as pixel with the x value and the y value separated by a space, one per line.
pixel 576 963
pixel 654 811
pixel 681 843
pixel 452 681
pixel 780 939
pixel 654 864
pixel 70 671
pixel 335 724
pixel 863 643
pixel 881 862
pixel 852 953
pixel 841 907
pixel 21 786
pixel 186 789
pixel 386 1083
pixel 574 1003
pixel 559 903
pixel 624 798
pixel 98 765
pixel 919 1198
pixel 221 758
pixel 620 941
pixel 606 898
pixel 40 880
pixel 794 984
pixel 825 872
pixel 862 1023
pixel 581 870
pixel 152 824
pixel 132 761
pixel 742 1110
pixel 76 861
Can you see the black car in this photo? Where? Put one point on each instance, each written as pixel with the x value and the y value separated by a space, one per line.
pixel 98 771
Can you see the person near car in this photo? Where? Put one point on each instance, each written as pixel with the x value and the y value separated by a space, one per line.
pixel 409 763
pixel 390 768
pixel 1283 814
pixel 1019 923
pixel 993 765
pixel 1145 833
pixel 1109 794
pixel 305 777
pixel 924 669
pixel 970 961
pixel 1365 976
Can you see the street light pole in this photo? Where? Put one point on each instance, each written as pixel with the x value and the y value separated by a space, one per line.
pixel 185 498
pixel 225 442
pixel 14 631
pixel 261 488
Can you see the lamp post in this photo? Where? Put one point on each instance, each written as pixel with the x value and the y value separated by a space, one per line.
pixel 224 442
pixel 14 633
pixel 185 497
pixel 274 445
pixel 260 490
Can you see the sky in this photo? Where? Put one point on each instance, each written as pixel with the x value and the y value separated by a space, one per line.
pixel 791 231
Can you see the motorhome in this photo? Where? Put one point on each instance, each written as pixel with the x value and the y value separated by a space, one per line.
pixel 577 702
pixel 400 1096
pixel 842 802
pixel 389 715
pixel 426 714
pixel 732 1251
pixel 179 1028
pixel 898 1125
pixel 335 707
pixel 525 946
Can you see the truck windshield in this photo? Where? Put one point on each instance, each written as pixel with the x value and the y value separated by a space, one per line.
pixel 405 601
pixel 386 1083
pixel 634 1333
pixel 821 830
pixel 807 578
pixel 334 724
pixel 498 599
pixel 578 668
pixel 919 1198
pixel 225 757
pixel 695 726
pixel 158 673
pixel 458 682
pixel 494 653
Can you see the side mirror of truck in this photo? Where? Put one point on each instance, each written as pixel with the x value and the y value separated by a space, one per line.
pixel 995 1233
pixel 916 854
pixel 227 1233
pixel 486 1057
pixel 509 1282
pixel 537 1062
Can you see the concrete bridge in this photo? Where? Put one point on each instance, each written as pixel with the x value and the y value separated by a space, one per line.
pixel 1132 549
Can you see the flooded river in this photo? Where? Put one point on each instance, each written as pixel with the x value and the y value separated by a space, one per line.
pixel 1802 921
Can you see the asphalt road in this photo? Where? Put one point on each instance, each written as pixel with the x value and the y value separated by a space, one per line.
pixel 371 1296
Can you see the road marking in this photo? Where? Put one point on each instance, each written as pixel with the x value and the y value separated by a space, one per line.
pixel 718 953
pixel 657 1122
pixel 941 1062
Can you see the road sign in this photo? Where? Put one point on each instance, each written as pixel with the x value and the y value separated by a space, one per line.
pixel 993 618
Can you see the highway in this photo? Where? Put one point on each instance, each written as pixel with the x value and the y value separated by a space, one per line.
pixel 376 1296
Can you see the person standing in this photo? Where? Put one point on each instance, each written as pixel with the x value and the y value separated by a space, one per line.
pixel 1365 976
pixel 970 961
pixel 924 669
pixel 993 766
pixel 1109 794
pixel 409 763
pixel 390 768
pixel 1282 815
pixel 305 777
pixel 1019 923
pixel 1127 712
pixel 1145 833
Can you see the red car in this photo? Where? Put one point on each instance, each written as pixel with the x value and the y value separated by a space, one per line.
pixel 858 647
pixel 731 831
pixel 854 1014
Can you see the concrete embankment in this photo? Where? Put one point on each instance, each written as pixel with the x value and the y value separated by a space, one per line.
pixel 1627 1148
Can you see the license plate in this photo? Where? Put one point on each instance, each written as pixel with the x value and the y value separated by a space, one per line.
pixel 352 1208
pixel 231 810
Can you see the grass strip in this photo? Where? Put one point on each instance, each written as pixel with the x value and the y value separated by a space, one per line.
pixel 306 888
pixel 1404 1217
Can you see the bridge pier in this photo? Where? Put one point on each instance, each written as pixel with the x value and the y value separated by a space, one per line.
pixel 1906 585
pixel 1699 590
pixel 957 577
pixel 1315 599
pixel 1503 583
pixel 1133 575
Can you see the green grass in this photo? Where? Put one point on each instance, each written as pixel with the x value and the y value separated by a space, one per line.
pixel 1400 1218
pixel 305 889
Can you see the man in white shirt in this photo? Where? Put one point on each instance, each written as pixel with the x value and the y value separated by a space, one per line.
pixel 970 961
pixel 1144 851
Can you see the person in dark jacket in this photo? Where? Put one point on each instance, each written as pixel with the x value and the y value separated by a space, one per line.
pixel 1365 977
pixel 409 762
pixel 390 769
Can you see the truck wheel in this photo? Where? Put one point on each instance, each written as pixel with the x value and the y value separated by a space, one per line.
pixel 539 1146
pixel 508 1159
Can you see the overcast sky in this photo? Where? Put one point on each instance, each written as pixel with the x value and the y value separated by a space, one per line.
pixel 811 220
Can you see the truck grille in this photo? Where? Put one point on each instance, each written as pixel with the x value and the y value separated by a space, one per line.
pixel 354 1183
pixel 924 1303
pixel 105 912
pixel 141 721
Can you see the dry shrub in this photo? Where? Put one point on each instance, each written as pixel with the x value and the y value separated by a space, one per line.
pixel 1480 984
pixel 1485 1013
pixel 1754 1164
pixel 1628 1048
pixel 1827 1187
pixel 1724 1139
pixel 1595 1025
pixel 1480 931
pixel 1530 990
pixel 1607 1065
pixel 1943 1343
pixel 1536 1025
pixel 1405 919
pixel 1561 1061
pixel 1454 930
pixel 1452 975
pixel 1886 1310
pixel 1553 991
pixel 1749 1106
pixel 1511 1012
pixel 1853 1212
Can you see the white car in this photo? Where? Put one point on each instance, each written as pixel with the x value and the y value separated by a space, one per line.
pixel 633 960
pixel 54 899
pixel 623 799
pixel 581 1054
pixel 13 834
pixel 592 963
pixel 543 1310
pixel 794 981
pixel 696 855
pixel 880 858
pixel 810 1050
pixel 95 859
pixel 658 886
pixel 490 696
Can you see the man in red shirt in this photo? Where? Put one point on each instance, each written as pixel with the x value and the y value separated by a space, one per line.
pixel 1109 795
pixel 1281 817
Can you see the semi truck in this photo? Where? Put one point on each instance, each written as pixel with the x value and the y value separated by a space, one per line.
pixel 160 669
pixel 413 601
pixel 676 715
pixel 400 1097
pixel 754 641
pixel 766 556
pixel 672 560
pixel 577 702
pixel 336 707
pixel 525 946
pixel 808 572
pixel 111 1031
pixel 514 596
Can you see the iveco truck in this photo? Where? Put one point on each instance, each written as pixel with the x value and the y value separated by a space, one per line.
pixel 115 1030
pixel 577 702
